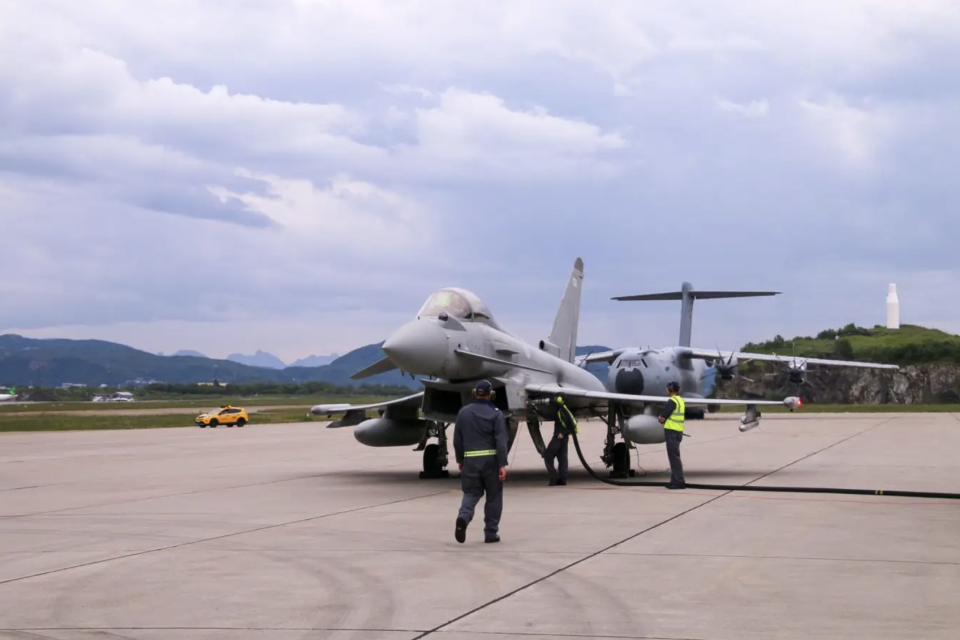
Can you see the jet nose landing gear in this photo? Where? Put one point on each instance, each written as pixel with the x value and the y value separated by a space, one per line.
pixel 435 456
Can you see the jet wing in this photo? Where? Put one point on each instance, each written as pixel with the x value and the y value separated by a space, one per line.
pixel 380 366
pixel 771 357
pixel 355 414
pixel 582 399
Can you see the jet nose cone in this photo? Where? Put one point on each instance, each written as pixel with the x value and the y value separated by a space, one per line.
pixel 418 347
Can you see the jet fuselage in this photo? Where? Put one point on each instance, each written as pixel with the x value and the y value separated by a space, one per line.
pixel 460 353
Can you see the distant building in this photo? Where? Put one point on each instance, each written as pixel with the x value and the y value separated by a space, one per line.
pixel 893 307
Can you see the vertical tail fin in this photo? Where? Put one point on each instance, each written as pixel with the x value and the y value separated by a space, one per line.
pixel 687 295
pixel 563 336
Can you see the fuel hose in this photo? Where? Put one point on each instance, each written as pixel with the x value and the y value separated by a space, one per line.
pixel 618 482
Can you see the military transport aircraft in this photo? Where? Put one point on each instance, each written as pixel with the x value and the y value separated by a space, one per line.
pixel 455 341
pixel 634 370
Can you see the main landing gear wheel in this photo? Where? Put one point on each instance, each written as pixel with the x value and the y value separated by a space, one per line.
pixel 621 461
pixel 432 464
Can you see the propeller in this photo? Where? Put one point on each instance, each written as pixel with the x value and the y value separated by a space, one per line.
pixel 729 369
pixel 797 368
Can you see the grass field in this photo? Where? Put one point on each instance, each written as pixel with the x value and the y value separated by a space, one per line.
pixel 854 408
pixel 81 422
pixel 72 421
pixel 201 404
pixel 910 344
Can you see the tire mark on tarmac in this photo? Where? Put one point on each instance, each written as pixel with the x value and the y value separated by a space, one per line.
pixel 491 634
pixel 227 535
pixel 238 629
pixel 439 628
pixel 565 567
pixel 935 563
pixel 126 476
pixel 819 451
pixel 174 495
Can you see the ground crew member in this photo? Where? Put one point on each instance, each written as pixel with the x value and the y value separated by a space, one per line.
pixel 672 418
pixel 564 426
pixel 480 445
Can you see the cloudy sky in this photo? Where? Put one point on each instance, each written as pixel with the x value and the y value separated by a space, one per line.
pixel 298 175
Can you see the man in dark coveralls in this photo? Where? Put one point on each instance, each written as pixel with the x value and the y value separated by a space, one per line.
pixel 564 426
pixel 480 445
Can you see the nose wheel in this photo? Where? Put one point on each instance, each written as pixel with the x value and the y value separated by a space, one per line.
pixel 616 454
pixel 435 457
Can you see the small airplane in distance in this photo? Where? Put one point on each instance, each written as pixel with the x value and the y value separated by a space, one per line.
pixel 456 342
pixel 4 397
pixel 634 370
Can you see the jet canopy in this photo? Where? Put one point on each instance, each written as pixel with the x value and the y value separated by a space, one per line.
pixel 457 303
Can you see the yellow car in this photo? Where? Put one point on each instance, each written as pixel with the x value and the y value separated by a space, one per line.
pixel 225 415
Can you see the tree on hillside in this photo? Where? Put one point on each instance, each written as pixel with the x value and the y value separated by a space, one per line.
pixel 845 349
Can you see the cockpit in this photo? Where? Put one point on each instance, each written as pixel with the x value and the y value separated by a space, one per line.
pixel 457 303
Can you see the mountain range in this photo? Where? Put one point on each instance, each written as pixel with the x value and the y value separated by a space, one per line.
pixel 265 359
pixel 55 362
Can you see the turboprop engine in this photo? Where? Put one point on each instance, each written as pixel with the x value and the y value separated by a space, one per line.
pixel 384 432
pixel 727 370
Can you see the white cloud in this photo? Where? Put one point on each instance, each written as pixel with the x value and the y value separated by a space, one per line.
pixel 348 216
pixel 755 109
pixel 406 89
pixel 858 134
pixel 477 136
pixel 362 152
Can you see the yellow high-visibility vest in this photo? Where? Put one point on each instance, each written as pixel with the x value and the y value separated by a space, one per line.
pixel 676 419
pixel 566 416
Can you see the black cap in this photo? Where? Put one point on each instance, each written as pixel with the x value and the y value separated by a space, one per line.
pixel 483 388
pixel 673 386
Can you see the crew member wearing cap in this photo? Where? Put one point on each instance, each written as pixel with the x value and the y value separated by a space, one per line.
pixel 672 418
pixel 564 426
pixel 480 445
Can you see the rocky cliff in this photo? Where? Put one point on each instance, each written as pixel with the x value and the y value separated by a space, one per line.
pixel 914 384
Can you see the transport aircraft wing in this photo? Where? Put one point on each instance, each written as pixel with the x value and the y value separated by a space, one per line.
pixel 791 360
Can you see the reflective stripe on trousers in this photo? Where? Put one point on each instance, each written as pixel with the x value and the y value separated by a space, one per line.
pixel 477 454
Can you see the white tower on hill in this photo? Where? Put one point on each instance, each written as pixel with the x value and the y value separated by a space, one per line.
pixel 893 308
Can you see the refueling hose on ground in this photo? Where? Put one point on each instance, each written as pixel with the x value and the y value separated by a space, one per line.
pixel 743 487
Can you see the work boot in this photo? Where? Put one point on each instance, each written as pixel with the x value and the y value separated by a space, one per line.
pixel 553 483
pixel 562 483
pixel 671 485
pixel 491 539
pixel 461 532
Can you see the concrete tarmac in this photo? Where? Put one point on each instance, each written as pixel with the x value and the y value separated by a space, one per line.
pixel 299 532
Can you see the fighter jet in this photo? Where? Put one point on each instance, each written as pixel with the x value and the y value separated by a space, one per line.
pixel 634 370
pixel 4 397
pixel 455 341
